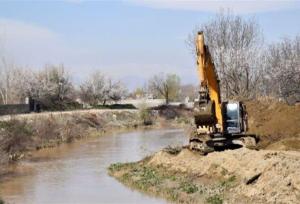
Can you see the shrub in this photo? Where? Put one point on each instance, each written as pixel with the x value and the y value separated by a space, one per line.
pixel 188 187
pixel 145 115
pixel 16 135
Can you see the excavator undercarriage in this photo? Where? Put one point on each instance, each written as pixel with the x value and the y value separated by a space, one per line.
pixel 207 137
pixel 204 143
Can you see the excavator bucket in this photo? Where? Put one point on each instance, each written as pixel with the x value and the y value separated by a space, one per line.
pixel 204 114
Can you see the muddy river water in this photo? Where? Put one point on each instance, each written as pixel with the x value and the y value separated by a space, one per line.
pixel 77 172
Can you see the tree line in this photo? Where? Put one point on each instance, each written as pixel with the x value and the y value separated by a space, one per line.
pixel 247 66
pixel 52 86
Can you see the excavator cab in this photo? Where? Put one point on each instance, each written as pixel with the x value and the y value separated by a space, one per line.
pixel 234 118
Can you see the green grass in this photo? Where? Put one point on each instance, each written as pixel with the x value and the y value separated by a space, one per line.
pixel 215 199
pixel 228 182
pixel 144 177
pixel 158 181
pixel 188 187
pixel 116 167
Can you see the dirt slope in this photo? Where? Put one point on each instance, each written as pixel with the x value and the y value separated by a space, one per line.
pixel 277 124
pixel 262 176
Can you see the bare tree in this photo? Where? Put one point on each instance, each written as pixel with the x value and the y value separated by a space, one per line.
pixel 92 90
pixel 282 69
pixel 235 45
pixel 116 90
pixel 100 89
pixel 13 83
pixel 51 86
pixel 188 90
pixel 166 86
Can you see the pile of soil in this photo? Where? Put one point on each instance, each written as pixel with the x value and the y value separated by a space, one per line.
pixel 172 111
pixel 261 176
pixel 276 123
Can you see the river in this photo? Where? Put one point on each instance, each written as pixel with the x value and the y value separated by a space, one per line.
pixel 77 172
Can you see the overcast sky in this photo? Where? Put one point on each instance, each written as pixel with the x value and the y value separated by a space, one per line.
pixel 130 39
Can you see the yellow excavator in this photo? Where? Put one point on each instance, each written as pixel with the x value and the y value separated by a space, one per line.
pixel 218 124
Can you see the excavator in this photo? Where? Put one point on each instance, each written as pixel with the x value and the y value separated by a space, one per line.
pixel 218 124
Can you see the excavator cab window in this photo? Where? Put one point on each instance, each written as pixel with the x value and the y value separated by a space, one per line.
pixel 232 111
pixel 232 115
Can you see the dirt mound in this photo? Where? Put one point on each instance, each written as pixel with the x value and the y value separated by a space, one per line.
pixel 275 122
pixel 173 111
pixel 262 176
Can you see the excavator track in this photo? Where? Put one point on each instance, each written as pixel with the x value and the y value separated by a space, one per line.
pixel 205 144
pixel 199 142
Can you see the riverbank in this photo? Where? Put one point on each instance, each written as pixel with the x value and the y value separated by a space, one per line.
pixel 232 176
pixel 20 135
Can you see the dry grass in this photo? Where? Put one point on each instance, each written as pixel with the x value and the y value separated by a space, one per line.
pixel 19 135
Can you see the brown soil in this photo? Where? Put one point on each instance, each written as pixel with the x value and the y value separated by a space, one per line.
pixel 277 124
pixel 273 176
pixel 232 176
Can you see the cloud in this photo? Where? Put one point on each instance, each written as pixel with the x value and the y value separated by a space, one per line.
pixel 241 6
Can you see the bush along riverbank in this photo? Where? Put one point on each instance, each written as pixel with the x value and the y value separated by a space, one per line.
pixel 20 135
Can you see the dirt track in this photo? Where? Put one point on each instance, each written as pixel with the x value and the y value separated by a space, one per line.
pixel 62 113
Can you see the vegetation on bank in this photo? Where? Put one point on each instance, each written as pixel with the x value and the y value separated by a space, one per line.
pixel 174 186
pixel 18 136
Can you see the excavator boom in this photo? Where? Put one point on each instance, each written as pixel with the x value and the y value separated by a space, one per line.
pixel 209 86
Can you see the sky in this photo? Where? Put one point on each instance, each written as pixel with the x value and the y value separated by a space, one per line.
pixel 129 40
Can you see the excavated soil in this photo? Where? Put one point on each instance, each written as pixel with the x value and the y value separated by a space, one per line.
pixel 265 176
pixel 231 176
pixel 277 124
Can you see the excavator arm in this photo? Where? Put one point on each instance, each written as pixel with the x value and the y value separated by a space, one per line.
pixel 208 110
